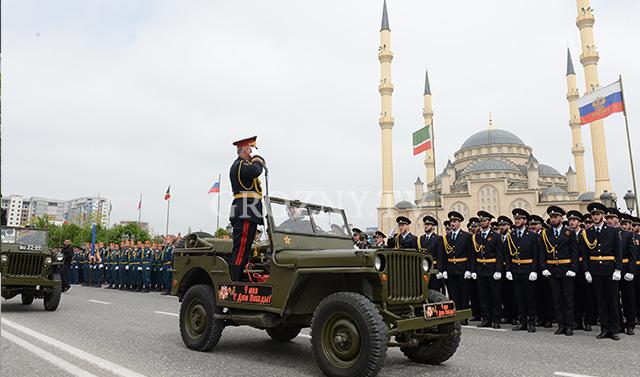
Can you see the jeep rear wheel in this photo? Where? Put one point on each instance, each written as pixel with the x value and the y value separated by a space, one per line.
pixel 348 336
pixel 199 329
pixel 27 299
pixel 436 351
pixel 283 333
pixel 52 298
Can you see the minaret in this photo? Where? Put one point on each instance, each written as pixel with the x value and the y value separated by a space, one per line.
pixel 427 114
pixel 589 59
pixel 386 213
pixel 577 148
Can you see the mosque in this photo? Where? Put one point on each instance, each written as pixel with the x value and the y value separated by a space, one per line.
pixel 494 170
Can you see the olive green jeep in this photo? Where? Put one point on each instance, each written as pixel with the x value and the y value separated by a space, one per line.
pixel 28 268
pixel 306 273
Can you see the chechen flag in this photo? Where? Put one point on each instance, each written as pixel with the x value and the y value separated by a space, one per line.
pixel 167 195
pixel 422 140
pixel 215 188
pixel 600 103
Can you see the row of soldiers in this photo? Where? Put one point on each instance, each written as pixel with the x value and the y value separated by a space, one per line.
pixel 140 267
pixel 506 270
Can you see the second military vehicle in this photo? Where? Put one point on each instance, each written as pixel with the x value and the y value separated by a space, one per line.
pixel 306 273
pixel 27 268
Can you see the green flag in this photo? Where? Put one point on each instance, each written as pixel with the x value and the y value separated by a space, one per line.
pixel 422 140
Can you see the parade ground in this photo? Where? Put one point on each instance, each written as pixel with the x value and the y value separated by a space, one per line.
pixel 100 332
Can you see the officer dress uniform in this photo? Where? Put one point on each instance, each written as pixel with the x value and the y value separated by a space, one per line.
pixel 84 265
pixel 403 241
pixel 636 280
pixel 146 264
pixel 585 295
pixel 544 305
pixel 488 267
pixel 559 263
pixel 457 263
pixel 75 264
pixel 627 287
pixel 138 269
pixel 522 265
pixel 509 312
pixel 246 208
pixel 167 260
pixel 605 259
pixel 432 244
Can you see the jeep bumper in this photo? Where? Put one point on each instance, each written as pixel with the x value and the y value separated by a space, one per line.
pixel 416 323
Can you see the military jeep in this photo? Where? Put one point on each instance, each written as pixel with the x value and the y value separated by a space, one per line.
pixel 27 268
pixel 306 273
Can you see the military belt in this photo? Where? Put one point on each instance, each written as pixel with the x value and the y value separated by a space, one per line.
pixel 625 260
pixel 490 260
pixel 522 261
pixel 170 262
pixel 601 258
pixel 250 195
pixel 559 261
pixel 457 260
pixel 638 262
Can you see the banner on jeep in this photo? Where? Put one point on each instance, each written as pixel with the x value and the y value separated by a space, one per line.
pixel 245 294
pixel 439 310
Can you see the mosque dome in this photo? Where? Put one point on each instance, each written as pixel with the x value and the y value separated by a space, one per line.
pixel 404 204
pixel 546 170
pixel 492 137
pixel 491 165
pixel 588 196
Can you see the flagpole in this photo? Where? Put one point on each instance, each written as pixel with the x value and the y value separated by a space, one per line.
pixel 435 174
pixel 218 213
pixel 166 233
pixel 626 123
pixel 139 209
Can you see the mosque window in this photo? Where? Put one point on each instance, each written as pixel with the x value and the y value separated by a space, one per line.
pixel 488 198
pixel 460 207
pixel 520 203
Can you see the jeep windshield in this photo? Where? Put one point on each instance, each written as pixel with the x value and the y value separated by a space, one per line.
pixel 303 218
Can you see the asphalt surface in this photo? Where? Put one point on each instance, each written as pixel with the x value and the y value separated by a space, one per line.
pixel 100 332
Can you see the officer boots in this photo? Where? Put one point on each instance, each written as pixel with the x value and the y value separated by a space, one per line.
pixel 522 324
pixel 531 324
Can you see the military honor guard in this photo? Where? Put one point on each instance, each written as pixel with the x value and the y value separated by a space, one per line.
pixel 522 262
pixel 457 262
pixel 167 263
pixel 584 296
pixel 559 263
pixel 488 267
pixel 403 239
pixel 603 268
pixel 378 239
pixel 509 311
pixel 635 225
pixel 431 244
pixel 627 286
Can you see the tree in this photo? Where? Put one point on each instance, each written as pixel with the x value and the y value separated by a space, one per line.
pixel 221 233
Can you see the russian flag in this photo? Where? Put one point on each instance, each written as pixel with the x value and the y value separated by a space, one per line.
pixel 601 103
pixel 215 188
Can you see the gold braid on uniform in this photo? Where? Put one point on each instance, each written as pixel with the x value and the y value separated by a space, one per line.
pixel 476 246
pixel 513 249
pixel 547 243
pixel 448 248
pixel 397 241
pixel 420 245
pixel 590 245
pixel 255 184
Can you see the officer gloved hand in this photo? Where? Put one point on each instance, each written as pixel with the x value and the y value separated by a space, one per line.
pixel 571 274
pixel 139 268
pixel 617 275
pixel 259 160
pixel 509 275
pixel 546 273
pixel 439 275
pixel 628 277
pixel 533 276
pixel 587 277
pixel 444 275
pixel 497 275
pixel 467 274
pixel 474 276
pixel 102 266
pixel 126 267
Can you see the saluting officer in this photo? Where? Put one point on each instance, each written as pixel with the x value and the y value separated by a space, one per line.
pixel 431 244
pixel 403 239
pixel 522 257
pixel 604 268
pixel 627 288
pixel 559 263
pixel 378 239
pixel 488 266
pixel 457 262
pixel 246 208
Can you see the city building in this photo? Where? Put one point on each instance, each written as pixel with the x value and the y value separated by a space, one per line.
pixel 53 209
pixel 17 209
pixel 88 210
pixel 21 211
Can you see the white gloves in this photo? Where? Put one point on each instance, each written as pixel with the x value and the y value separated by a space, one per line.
pixel 139 268
pixel 571 274
pixel 444 275
pixel 102 266
pixel 497 276
pixel 628 277
pixel 126 267
pixel 533 276
pixel 148 268
pixel 467 275
pixel 117 268
pixel 474 276
pixel 509 276
pixel 439 275
pixel 546 273
pixel 617 275
pixel 587 277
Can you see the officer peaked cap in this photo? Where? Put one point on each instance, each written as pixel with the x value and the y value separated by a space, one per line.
pixel 555 210
pixel 454 215
pixel 250 141
pixel 484 215
pixel 596 207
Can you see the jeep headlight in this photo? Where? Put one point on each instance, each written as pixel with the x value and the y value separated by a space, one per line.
pixel 47 260
pixel 379 262
pixel 4 258
pixel 426 265
pixel 59 257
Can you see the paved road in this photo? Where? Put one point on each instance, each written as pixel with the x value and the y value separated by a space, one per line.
pixel 100 332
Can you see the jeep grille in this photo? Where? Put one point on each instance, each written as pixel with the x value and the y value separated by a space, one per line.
pixel 25 265
pixel 405 277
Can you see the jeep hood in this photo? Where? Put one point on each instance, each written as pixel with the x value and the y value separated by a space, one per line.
pixel 327 258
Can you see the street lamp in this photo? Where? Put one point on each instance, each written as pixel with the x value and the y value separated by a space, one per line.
pixel 607 199
pixel 630 200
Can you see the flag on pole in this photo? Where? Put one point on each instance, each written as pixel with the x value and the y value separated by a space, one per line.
pixel 167 195
pixel 215 188
pixel 140 202
pixel 600 103
pixel 422 140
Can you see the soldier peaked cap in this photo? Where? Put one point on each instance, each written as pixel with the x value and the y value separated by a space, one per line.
pixel 573 214
pixel 379 234
pixel 429 220
pixel 474 221
pixel 356 230
pixel 596 207
pixel 626 218
pixel 484 215
pixel 504 220
pixel 535 219
pixel 612 212
pixel 454 215
pixel 403 220
pixel 250 141
pixel 555 210
pixel 519 212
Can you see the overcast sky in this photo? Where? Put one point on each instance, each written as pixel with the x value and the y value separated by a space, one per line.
pixel 124 98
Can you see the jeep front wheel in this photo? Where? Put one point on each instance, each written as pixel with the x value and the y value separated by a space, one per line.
pixel 348 336
pixel 438 350
pixel 52 298
pixel 283 333
pixel 199 329
pixel 27 299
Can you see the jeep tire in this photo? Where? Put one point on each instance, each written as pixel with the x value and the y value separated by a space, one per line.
pixel 199 329
pixel 348 336
pixel 283 333
pixel 52 298
pixel 436 351
pixel 27 298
